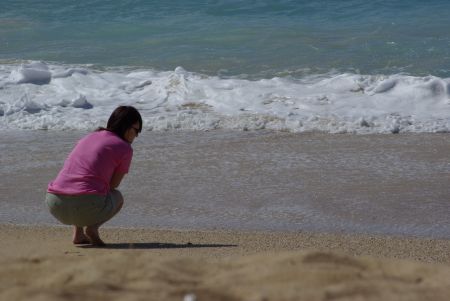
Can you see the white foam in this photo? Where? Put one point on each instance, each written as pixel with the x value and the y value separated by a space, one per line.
pixel 45 96
pixel 33 73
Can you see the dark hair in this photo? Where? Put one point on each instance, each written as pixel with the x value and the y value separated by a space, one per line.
pixel 122 119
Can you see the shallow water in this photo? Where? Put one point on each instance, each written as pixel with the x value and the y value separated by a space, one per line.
pixel 378 184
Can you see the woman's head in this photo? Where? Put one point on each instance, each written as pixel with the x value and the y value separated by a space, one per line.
pixel 126 122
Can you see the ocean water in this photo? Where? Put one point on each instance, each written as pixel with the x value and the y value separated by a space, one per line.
pixel 263 38
pixel 348 66
pixel 230 70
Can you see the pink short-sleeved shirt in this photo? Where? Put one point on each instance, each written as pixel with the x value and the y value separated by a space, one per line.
pixel 91 165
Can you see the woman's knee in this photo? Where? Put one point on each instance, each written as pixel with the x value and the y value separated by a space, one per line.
pixel 117 195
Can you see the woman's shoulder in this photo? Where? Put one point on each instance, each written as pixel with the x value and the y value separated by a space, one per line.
pixel 111 138
pixel 95 135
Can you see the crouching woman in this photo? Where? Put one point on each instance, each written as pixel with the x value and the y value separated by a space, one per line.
pixel 84 192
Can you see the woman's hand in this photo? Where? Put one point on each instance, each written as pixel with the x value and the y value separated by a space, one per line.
pixel 115 180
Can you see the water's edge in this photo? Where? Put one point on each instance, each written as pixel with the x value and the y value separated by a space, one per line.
pixel 256 181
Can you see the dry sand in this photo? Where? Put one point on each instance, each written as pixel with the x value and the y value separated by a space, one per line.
pixel 40 263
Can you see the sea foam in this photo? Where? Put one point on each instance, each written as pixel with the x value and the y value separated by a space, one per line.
pixel 38 95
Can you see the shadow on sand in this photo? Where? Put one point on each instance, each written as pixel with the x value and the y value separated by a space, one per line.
pixel 156 245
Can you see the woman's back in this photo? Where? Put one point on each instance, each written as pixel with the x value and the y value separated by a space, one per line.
pixel 91 164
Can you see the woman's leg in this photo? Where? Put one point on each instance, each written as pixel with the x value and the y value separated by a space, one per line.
pixel 78 236
pixel 92 231
pixel 94 237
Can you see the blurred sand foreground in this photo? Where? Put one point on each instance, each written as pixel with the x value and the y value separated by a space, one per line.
pixel 40 263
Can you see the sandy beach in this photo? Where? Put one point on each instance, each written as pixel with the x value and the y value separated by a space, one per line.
pixel 40 263
pixel 266 216
pixel 285 150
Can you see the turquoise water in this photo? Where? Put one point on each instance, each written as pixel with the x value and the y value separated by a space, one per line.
pixel 257 39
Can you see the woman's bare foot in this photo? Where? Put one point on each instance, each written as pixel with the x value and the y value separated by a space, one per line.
pixel 79 237
pixel 94 238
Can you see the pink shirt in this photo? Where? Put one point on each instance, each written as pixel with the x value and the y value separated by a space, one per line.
pixel 91 165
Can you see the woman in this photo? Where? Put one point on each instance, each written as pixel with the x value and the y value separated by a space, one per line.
pixel 84 192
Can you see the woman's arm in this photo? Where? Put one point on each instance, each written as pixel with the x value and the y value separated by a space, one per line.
pixel 116 179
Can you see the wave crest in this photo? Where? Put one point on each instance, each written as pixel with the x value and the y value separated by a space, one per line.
pixel 37 95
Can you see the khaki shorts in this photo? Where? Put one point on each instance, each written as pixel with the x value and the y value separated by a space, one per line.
pixel 83 210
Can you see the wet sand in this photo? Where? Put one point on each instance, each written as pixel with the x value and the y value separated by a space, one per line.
pixel 40 263
pixel 262 181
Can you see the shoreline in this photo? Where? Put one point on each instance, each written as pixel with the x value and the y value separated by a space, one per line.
pixel 228 242
pixel 379 184
pixel 40 263
pixel 291 188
